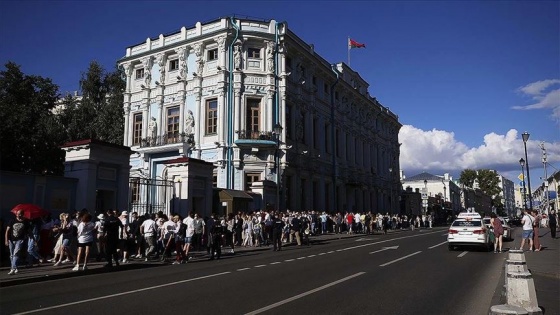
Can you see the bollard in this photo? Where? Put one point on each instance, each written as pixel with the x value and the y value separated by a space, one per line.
pixel 516 254
pixel 521 292
pixel 505 309
pixel 515 263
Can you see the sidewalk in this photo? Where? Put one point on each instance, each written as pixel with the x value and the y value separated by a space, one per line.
pixel 47 272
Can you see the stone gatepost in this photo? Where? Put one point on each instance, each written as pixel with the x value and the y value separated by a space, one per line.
pixel 102 170
pixel 192 180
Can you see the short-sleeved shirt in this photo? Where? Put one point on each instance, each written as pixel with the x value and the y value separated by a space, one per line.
pixel 18 230
pixel 189 222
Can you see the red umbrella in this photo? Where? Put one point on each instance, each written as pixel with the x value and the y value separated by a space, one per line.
pixel 30 211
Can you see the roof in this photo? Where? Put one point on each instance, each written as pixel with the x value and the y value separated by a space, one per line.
pixel 424 176
pixel 94 141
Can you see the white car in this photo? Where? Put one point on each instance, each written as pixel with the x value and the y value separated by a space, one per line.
pixel 469 230
pixel 508 230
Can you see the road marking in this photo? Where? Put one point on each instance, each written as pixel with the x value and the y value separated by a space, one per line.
pixel 275 263
pixel 259 266
pixel 330 252
pixel 437 245
pixel 311 256
pixel 399 259
pixel 462 254
pixel 384 249
pixel 320 254
pixel 288 260
pixel 301 258
pixel 293 298
pixel 242 269
pixel 122 293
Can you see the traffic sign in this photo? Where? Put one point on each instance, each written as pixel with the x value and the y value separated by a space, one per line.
pixel 522 184
pixel 521 177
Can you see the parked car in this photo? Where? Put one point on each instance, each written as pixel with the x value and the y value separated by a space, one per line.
pixel 469 230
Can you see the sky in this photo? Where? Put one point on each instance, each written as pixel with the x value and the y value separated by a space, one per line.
pixel 466 78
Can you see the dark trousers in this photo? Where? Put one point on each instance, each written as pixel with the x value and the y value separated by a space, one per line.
pixel 216 247
pixel 553 230
pixel 277 239
pixel 111 251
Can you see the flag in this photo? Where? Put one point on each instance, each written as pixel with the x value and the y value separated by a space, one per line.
pixel 354 44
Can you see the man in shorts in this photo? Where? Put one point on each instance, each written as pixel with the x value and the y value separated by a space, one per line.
pixel 189 222
pixel 527 222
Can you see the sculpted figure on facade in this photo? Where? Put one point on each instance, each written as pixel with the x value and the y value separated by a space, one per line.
pixel 183 70
pixel 221 43
pixel 189 123
pixel 270 56
pixel 148 70
pixel 152 128
pixel 237 57
pixel 161 63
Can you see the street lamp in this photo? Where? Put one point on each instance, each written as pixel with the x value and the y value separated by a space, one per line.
pixel 426 193
pixel 522 162
pixel 277 130
pixel 525 136
pixel 444 194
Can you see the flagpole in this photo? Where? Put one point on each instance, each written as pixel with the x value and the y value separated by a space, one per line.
pixel 348 43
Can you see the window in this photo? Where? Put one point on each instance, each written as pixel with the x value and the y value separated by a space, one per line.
pixel 137 129
pixel 139 73
pixel 250 178
pixel 212 54
pixel 328 139
pixel 314 80
pixel 173 125
pixel 135 190
pixel 212 116
pixel 253 118
pixel 326 88
pixel 214 180
pixel 254 53
pixel 288 63
pixel 174 64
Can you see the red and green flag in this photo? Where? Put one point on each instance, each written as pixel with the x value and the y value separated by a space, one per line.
pixel 354 44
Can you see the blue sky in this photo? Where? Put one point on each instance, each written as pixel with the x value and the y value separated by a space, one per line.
pixel 465 77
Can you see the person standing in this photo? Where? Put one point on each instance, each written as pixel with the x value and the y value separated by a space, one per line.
pixel 86 230
pixel 148 230
pixel 553 223
pixel 16 233
pixel 498 232
pixel 113 227
pixel 536 234
pixel 277 228
pixel 189 233
pixel 527 223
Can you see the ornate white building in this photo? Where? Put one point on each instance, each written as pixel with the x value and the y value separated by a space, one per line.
pixel 263 107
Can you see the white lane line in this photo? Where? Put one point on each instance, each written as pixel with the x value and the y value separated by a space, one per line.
pixel 288 260
pixel 259 266
pixel 275 263
pixel 389 240
pixel 122 293
pixel 399 259
pixel 332 251
pixel 462 254
pixel 293 298
pixel 243 269
pixel 437 245
pixel 311 256
pixel 321 254
pixel 299 258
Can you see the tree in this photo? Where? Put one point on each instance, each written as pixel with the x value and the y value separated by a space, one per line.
pixel 467 178
pixel 29 133
pixel 98 114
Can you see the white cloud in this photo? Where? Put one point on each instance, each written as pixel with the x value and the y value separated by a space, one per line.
pixel 544 96
pixel 438 151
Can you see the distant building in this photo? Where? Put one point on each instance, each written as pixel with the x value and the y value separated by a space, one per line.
pixel 273 117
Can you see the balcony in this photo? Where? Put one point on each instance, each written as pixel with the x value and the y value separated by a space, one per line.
pixel 168 138
pixel 250 138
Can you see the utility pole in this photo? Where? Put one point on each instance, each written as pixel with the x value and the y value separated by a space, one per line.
pixel 545 188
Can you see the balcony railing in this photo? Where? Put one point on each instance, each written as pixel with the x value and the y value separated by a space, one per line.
pixel 255 135
pixel 168 138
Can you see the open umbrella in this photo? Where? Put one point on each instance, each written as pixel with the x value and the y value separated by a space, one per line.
pixel 30 211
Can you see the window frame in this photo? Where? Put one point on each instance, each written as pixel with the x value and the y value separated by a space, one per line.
pixel 137 125
pixel 173 65
pixel 139 74
pixel 250 116
pixel 211 117
pixel 212 54
pixel 173 134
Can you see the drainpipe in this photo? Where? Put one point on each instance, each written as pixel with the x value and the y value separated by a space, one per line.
pixel 333 140
pixel 230 112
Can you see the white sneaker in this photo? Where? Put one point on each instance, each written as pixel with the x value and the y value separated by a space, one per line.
pixel 66 261
pixel 76 268
pixel 12 272
pixel 84 268
pixel 124 261
pixel 58 263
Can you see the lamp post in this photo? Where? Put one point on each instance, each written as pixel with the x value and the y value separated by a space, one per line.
pixel 525 136
pixel 522 163
pixel 444 194
pixel 277 132
pixel 391 185
pixel 426 194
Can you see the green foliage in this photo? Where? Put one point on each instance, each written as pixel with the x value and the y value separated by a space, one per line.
pixel 467 177
pixel 99 114
pixel 29 133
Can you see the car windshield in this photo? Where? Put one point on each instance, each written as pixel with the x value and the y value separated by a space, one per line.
pixel 474 223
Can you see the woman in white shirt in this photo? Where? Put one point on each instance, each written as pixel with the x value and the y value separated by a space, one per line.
pixel 86 228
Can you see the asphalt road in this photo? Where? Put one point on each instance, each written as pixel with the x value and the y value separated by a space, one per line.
pixel 411 272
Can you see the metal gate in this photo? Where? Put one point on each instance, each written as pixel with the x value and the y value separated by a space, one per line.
pixel 148 195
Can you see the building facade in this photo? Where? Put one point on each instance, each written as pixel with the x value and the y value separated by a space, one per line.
pixel 263 107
